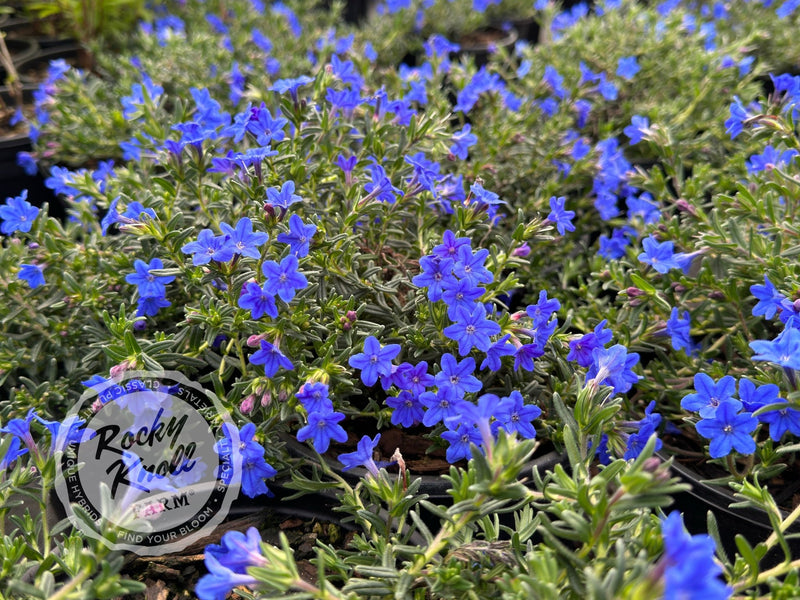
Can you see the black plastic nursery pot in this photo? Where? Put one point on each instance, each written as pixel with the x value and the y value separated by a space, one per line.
pixel 749 522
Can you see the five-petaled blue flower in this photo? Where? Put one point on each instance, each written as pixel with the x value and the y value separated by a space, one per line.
pixel 283 279
pixel 362 457
pixel 375 360
pixel 18 214
pixel 299 236
pixel 321 429
pixel 728 431
pixel 243 239
pixel 561 217
pixel 32 274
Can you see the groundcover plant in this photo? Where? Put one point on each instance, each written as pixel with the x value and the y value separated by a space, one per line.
pixel 585 245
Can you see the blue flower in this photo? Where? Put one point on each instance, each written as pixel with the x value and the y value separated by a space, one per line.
pixel 561 217
pixel 440 405
pixel 613 366
pixel 254 468
pixel 495 353
pixel 690 568
pixel 627 67
pixel 258 300
pixel 678 327
pixel 244 241
pixel 283 197
pixel 462 140
pixel 784 350
pixel 407 409
pixel 22 429
pixel 460 439
pixel 299 236
pixel 272 358
pixel 18 214
pixel 469 266
pixel 362 457
pixel 472 329
pixel 769 299
pixel 580 349
pixel 709 396
pixel 436 271
pixel 283 279
pixel 209 247
pixel 321 429
pixel 659 255
pixel 313 395
pixel 14 451
pixel 32 274
pixel 639 127
pixel 514 416
pixel 770 159
pixel 149 285
pixel 374 361
pixel 544 308
pixel 148 306
pixel 457 377
pixel 462 295
pixel 728 431
pixel 238 551
pixel 220 580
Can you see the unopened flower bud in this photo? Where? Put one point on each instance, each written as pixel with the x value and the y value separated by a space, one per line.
pixel 33 246
pixel 683 205
pixel 677 287
pixel 518 315
pixel 636 302
pixel 254 341
pixel 282 396
pixel 246 407
pixel 634 292
pixel 269 209
pixel 716 295
pixel 351 316
pixel 266 399
pixel 521 251
pixel 796 305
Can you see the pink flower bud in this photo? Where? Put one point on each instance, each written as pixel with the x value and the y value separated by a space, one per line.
pixel 521 251
pixel 246 407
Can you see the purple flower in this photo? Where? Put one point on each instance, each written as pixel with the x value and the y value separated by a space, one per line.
pixel 728 431
pixel 462 295
pixel 283 279
pixel 544 308
pixel 321 429
pixel 413 378
pixel 469 266
pixel 18 214
pixel 374 361
pixel 580 349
